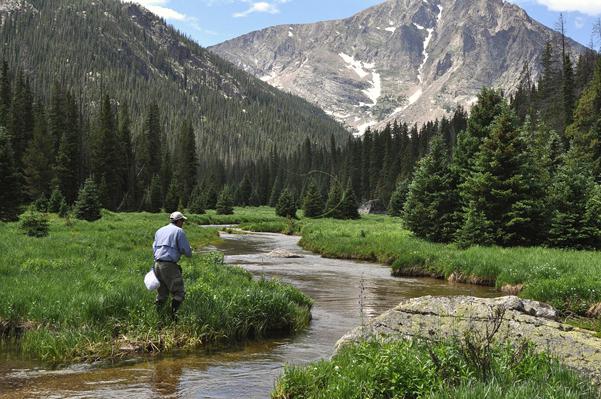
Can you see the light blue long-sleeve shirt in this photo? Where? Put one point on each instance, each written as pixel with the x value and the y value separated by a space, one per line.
pixel 170 243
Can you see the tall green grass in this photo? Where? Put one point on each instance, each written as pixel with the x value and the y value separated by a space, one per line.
pixel 567 279
pixel 78 294
pixel 416 369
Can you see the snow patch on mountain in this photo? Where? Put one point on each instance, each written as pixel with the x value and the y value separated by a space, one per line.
pixel 357 66
pixel 376 90
pixel 425 53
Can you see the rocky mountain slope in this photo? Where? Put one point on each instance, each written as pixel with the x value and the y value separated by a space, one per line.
pixel 121 49
pixel 412 60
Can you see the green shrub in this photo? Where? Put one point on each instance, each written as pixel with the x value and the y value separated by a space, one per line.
pixel 286 206
pixel 34 223
pixel 87 206
pixel 55 201
pixel 225 203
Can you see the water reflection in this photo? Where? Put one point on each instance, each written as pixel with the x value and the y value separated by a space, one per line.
pixel 345 292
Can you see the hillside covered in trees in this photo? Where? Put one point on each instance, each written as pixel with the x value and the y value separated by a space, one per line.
pixel 108 47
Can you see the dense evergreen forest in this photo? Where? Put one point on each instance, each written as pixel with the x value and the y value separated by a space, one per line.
pixel 108 47
pixel 523 170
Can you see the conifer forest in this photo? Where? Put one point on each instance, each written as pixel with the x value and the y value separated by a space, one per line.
pixel 519 170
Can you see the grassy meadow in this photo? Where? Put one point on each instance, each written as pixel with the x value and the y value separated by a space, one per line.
pixel 443 370
pixel 567 279
pixel 78 294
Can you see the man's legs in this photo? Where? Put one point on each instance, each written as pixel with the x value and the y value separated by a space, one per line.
pixel 162 291
pixel 170 276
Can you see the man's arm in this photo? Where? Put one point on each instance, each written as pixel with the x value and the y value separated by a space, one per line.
pixel 183 244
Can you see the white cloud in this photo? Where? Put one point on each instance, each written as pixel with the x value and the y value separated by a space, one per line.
pixel 259 6
pixel 159 8
pixel 590 7
pixel 579 22
pixel 167 13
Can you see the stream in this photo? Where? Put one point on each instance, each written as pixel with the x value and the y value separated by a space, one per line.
pixel 345 293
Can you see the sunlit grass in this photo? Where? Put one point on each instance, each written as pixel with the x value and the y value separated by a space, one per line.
pixel 412 369
pixel 78 294
pixel 567 279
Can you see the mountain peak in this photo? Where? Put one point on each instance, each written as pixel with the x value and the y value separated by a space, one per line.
pixel 407 60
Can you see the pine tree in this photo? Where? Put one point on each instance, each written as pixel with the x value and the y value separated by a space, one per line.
pixel 104 155
pixel 126 168
pixel 87 206
pixel 152 200
pixel 476 229
pixel 63 210
pixel 37 161
pixel 503 188
pixel 286 206
pixel 20 123
pixel 489 106
pixel 63 170
pixel 55 201
pixel 41 203
pixel 9 181
pixel 348 205
pixel 197 199
pixel 276 190
pixel 173 197
pixel 574 199
pixel 34 223
pixel 225 203
pixel 148 152
pixel 568 91
pixel 210 195
pixel 244 191
pixel 5 95
pixel 585 132
pixel 398 198
pixel 187 161
pixel 313 205
pixel 334 202
pixel 430 210
pixel 255 198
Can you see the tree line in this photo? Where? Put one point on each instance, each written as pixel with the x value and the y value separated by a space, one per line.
pixel 522 170
pixel 526 170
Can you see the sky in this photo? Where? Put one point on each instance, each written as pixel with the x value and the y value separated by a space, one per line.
pixel 213 21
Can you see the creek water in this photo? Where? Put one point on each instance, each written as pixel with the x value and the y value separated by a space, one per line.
pixel 345 293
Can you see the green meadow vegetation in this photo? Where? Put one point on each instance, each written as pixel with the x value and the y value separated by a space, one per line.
pixel 417 369
pixel 567 279
pixel 78 295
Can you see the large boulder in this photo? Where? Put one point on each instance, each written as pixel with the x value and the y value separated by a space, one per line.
pixel 518 319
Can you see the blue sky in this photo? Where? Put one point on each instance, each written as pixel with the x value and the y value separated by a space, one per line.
pixel 213 21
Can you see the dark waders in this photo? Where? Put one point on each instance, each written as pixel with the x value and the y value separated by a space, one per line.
pixel 170 276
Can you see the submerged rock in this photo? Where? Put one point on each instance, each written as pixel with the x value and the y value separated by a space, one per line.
pixel 518 319
pixel 283 253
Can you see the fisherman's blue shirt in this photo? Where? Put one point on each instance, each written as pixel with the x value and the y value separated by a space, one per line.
pixel 170 243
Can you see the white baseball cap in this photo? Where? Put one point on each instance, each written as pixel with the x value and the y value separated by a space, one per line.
pixel 175 216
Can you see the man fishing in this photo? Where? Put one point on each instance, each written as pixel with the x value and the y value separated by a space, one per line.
pixel 170 243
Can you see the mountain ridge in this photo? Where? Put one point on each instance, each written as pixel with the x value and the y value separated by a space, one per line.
pixel 411 60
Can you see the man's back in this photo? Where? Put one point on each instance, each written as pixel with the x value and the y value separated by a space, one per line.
pixel 170 243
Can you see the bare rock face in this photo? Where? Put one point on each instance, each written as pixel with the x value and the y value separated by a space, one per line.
pixel 449 317
pixel 406 60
